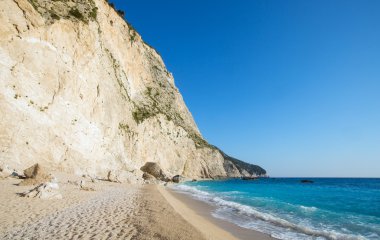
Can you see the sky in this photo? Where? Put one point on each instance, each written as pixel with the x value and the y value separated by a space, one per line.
pixel 293 86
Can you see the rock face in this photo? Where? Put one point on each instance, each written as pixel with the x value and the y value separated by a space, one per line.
pixel 237 168
pixel 80 91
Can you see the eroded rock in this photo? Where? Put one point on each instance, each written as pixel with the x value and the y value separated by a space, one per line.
pixel 148 177
pixel 46 190
pixel 36 174
pixel 122 176
pixel 155 170
pixel 178 179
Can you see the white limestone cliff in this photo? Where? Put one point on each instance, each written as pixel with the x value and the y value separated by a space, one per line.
pixel 80 91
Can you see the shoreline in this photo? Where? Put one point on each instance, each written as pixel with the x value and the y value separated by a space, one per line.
pixel 198 214
pixel 112 211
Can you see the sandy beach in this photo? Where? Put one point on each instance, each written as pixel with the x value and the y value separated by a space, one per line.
pixel 198 214
pixel 112 211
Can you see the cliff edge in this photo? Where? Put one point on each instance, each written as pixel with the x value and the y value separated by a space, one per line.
pixel 81 91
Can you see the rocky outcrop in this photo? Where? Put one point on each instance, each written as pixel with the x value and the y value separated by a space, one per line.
pixel 35 174
pixel 237 168
pixel 148 177
pixel 155 170
pixel 120 176
pixel 80 91
pixel 178 179
pixel 33 171
pixel 46 190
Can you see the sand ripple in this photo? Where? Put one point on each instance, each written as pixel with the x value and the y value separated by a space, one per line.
pixel 108 216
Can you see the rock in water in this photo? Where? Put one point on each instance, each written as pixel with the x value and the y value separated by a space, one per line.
pixel 306 181
pixel 46 190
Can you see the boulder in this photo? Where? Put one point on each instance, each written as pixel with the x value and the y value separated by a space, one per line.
pixel 122 176
pixel 46 190
pixel 178 179
pixel 155 170
pixel 32 171
pixel 36 174
pixel 148 177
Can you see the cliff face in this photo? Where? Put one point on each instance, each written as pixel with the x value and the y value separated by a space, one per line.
pixel 80 91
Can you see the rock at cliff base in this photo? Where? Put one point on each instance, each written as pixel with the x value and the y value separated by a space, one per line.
pixel 46 190
pixel 36 174
pixel 178 179
pixel 122 176
pixel 148 177
pixel 6 171
pixel 155 170
pixel 32 171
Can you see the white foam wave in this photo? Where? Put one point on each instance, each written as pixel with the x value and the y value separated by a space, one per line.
pixel 241 209
pixel 308 209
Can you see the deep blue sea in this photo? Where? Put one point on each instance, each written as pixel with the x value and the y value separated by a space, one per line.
pixel 329 208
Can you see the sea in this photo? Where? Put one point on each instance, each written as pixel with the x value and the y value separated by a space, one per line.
pixel 286 208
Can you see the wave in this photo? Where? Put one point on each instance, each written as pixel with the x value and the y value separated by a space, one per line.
pixel 240 209
pixel 308 209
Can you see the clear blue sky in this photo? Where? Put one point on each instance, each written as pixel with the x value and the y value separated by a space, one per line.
pixel 293 86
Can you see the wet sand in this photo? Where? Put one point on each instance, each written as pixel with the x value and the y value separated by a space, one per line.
pixel 198 213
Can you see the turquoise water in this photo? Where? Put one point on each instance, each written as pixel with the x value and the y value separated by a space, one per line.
pixel 329 208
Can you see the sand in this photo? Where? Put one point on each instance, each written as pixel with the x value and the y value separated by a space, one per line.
pixel 198 214
pixel 112 211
